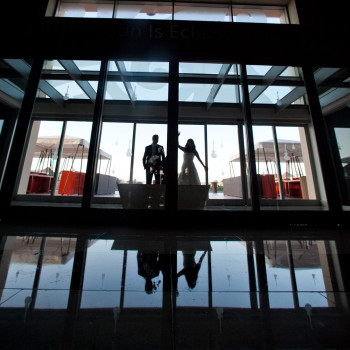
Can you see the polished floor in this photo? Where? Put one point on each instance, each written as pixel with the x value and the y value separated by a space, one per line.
pixel 217 291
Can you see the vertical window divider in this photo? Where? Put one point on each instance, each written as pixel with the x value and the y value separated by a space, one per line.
pixel 210 281
pixel 231 10
pixel 292 274
pixel 132 153
pixel 252 277
pixel 172 144
pixel 242 163
pixel 277 157
pixel 114 13
pixel 39 266
pixel 254 189
pixel 90 177
pixel 59 156
pixel 206 152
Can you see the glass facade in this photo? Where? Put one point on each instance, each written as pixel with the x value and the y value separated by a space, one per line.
pixel 135 108
pixel 181 11
pixel 334 96
pixel 56 155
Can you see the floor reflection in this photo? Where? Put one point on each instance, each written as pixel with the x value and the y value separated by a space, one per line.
pixel 63 292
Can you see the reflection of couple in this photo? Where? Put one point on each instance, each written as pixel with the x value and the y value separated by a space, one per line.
pixel 151 263
pixel 191 268
pixel 154 158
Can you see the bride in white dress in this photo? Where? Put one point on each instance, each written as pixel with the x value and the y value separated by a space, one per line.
pixel 189 174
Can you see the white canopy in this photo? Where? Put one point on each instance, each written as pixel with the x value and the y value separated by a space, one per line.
pixel 266 149
pixel 70 146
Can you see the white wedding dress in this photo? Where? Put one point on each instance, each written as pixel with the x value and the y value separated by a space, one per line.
pixel 188 174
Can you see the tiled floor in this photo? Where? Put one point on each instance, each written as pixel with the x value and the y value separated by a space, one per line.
pixel 70 292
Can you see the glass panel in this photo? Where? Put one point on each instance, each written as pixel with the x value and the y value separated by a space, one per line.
pixel 266 165
pixel 343 141
pixel 334 96
pixel 224 171
pixel 14 75
pixel 230 277
pixel 278 274
pixel 144 10
pixel 285 163
pixel 275 85
pixel 88 9
pixel 129 160
pixel 199 68
pixel 103 275
pixel 20 259
pixel 115 158
pixel 311 273
pixel 295 164
pixel 41 158
pixel 75 153
pixel 259 15
pixel 203 89
pixel 56 273
pixel 57 151
pixel 150 91
pixel 201 12
pixel 68 89
pixel 147 67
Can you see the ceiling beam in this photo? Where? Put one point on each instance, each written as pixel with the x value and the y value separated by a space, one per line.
pixel 129 90
pixel 23 68
pixel 10 94
pixel 273 73
pixel 76 74
pixel 224 70
pixel 320 76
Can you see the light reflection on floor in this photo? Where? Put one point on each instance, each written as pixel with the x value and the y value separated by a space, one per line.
pixel 218 284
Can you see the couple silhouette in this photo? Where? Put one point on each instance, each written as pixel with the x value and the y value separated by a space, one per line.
pixel 154 161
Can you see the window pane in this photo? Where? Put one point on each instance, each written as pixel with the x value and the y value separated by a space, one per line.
pixel 56 273
pixel 201 12
pixel 93 9
pixel 57 149
pixel 333 94
pixel 278 274
pixel 230 274
pixel 162 11
pixel 295 163
pixel 21 256
pixel 309 273
pixel 224 162
pixel 259 15
pixel 115 159
pixel 103 275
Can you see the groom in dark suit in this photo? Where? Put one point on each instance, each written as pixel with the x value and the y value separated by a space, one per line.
pixel 152 159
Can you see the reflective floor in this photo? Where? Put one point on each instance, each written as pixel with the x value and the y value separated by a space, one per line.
pixel 70 292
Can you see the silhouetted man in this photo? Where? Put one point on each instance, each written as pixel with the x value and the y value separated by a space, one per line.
pixel 152 160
